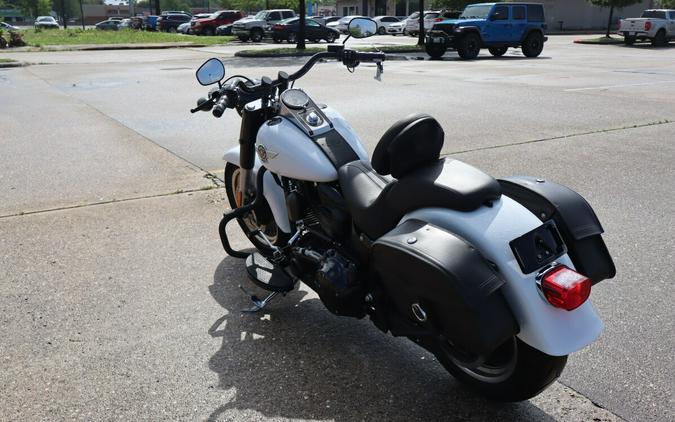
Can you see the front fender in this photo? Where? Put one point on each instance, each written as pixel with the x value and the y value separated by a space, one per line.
pixel 553 331
pixel 273 193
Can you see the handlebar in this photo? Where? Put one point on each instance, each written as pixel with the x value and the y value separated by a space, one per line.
pixel 227 96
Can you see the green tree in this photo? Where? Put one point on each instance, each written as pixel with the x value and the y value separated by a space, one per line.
pixel 35 7
pixel 612 4
pixel 666 4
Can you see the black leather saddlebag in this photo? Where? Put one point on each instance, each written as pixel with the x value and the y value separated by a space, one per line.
pixel 576 221
pixel 439 282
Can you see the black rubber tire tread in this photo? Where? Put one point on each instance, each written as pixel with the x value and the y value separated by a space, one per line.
pixel 282 238
pixel 208 31
pixel 256 35
pixel 292 38
pixel 660 39
pixel 435 51
pixel 533 45
pixel 534 372
pixel 498 51
pixel 468 46
pixel 330 38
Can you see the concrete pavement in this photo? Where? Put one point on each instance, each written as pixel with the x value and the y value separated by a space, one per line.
pixel 128 310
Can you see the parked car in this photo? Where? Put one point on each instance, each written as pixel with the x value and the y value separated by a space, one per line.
pixel 655 25
pixel 175 12
pixel 383 22
pixel 496 26
pixel 46 22
pixel 330 19
pixel 170 22
pixel 151 23
pixel 314 31
pixel 344 23
pixel 4 26
pixel 125 24
pixel 319 19
pixel 254 27
pixel 224 29
pixel 183 28
pixel 397 28
pixel 108 25
pixel 412 24
pixel 207 25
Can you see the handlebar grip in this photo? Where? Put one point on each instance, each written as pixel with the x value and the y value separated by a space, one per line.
pixel 220 106
pixel 367 57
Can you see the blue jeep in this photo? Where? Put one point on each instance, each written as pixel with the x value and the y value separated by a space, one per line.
pixel 496 26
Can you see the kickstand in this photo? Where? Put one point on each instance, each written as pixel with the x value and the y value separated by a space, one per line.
pixel 258 304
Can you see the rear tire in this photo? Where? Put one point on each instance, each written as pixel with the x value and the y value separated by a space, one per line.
pixel 291 38
pixel 250 222
pixel 330 37
pixel 468 46
pixel 208 31
pixel 513 372
pixel 660 39
pixel 533 45
pixel 498 51
pixel 381 30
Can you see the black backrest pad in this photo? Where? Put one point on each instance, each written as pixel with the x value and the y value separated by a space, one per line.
pixel 409 144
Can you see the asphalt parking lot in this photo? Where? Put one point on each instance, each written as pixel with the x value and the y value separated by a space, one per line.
pixel 117 301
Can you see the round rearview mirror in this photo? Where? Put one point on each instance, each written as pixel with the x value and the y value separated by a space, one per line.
pixel 210 72
pixel 362 27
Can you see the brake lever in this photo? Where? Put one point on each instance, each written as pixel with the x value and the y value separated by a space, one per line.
pixel 202 104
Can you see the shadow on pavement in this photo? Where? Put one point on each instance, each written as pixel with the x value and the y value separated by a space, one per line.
pixel 296 360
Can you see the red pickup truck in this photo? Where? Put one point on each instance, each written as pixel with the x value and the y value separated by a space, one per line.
pixel 207 26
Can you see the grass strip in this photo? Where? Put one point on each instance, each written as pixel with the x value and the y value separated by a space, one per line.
pixel 39 38
pixel 600 40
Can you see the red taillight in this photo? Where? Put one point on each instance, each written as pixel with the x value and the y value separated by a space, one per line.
pixel 565 288
pixel 438 19
pixel 277 27
pixel 648 26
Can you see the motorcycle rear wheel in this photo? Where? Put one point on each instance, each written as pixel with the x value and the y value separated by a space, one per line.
pixel 250 223
pixel 513 372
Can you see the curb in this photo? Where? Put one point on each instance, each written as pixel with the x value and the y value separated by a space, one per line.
pixel 593 41
pixel 12 64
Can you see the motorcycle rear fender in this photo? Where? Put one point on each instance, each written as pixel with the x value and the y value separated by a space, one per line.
pixel 273 193
pixel 551 330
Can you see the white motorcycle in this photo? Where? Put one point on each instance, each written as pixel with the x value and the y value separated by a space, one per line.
pixel 491 276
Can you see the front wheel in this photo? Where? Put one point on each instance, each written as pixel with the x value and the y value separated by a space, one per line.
pixel 513 372
pixel 330 37
pixel 469 46
pixel 259 219
pixel 291 38
pixel 256 35
pixel 381 30
pixel 435 51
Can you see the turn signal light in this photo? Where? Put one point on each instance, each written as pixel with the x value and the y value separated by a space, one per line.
pixel 648 26
pixel 565 288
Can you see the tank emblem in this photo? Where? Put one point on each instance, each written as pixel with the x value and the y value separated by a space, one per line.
pixel 265 155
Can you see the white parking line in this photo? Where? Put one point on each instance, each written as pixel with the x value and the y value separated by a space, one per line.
pixel 619 86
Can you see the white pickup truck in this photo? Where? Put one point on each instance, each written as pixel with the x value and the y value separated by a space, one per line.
pixel 656 25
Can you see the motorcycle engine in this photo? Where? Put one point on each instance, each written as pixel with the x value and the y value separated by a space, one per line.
pixel 336 282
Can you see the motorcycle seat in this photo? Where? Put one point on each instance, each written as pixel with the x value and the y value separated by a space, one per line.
pixel 407 173
pixel 377 203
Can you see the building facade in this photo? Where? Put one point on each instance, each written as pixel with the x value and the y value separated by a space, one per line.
pixel 560 14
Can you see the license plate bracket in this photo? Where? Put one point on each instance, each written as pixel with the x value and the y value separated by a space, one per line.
pixel 538 248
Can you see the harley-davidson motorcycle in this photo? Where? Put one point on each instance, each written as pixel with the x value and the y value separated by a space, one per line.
pixel 491 276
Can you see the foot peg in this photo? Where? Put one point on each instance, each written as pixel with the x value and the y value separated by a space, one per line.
pixel 268 276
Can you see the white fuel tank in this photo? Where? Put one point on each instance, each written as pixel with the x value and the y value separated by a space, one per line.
pixel 288 151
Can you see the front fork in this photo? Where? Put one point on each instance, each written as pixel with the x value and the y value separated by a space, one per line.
pixel 253 117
